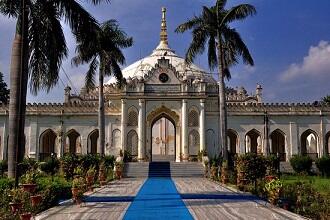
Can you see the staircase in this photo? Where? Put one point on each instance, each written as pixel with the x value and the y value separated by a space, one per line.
pixel 163 169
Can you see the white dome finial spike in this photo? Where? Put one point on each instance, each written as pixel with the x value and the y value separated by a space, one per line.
pixel 163 28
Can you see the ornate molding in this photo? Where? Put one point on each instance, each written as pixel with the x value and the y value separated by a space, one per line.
pixel 163 110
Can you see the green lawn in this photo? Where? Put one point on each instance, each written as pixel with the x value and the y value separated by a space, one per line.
pixel 321 184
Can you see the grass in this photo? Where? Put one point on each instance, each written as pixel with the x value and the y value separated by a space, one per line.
pixel 321 184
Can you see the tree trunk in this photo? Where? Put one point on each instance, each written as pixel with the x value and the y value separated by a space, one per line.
pixel 222 102
pixel 15 70
pixel 101 147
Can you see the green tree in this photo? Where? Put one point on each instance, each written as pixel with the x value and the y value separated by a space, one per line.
pixel 103 55
pixel 4 91
pixel 224 47
pixel 326 100
pixel 38 50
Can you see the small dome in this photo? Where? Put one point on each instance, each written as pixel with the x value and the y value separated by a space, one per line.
pixel 143 66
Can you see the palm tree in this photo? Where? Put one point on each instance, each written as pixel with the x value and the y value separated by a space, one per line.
pixel 103 55
pixel 224 46
pixel 38 50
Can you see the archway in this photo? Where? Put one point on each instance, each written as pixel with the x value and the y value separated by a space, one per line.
pixel 253 142
pixel 309 144
pixel 73 142
pixel 278 144
pixel 163 141
pixel 47 144
pixel 93 141
pixel 327 143
pixel 232 141
pixel 132 142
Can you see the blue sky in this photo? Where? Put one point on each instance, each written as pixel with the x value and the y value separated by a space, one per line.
pixel 289 40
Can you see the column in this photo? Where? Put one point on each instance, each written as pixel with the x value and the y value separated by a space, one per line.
pixel 123 124
pixel 141 130
pixel 321 145
pixel 184 130
pixel 202 125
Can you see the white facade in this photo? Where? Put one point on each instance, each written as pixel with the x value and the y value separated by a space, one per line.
pixel 163 86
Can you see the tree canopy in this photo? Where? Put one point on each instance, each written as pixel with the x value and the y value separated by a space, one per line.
pixel 4 91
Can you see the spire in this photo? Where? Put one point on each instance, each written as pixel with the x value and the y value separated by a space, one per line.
pixel 163 28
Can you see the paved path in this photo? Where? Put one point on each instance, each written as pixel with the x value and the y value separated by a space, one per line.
pixel 109 202
pixel 209 200
pixel 158 199
pixel 163 198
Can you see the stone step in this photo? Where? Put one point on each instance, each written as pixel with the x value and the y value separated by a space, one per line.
pixel 165 169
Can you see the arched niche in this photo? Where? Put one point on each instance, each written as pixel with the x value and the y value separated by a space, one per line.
pixel 93 141
pixel 47 142
pixel 309 143
pixel 278 144
pixel 253 143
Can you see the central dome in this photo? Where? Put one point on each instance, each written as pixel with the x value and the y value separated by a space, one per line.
pixel 143 66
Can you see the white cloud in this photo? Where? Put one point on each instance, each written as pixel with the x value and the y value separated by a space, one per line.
pixel 316 63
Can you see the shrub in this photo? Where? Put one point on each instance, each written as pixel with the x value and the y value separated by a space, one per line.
pixel 323 164
pixel 50 166
pixel 6 183
pixel 127 156
pixel 306 201
pixel 253 165
pixel 109 161
pixel 3 167
pixel 89 160
pixel 301 164
pixel 68 163
pixel 27 164
pixel 53 190
pixel 273 163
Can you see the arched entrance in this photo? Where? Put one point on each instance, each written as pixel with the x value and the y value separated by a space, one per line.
pixel 163 141
pixel 253 142
pixel 92 141
pixel 47 144
pixel 278 144
pixel 309 144
pixel 72 143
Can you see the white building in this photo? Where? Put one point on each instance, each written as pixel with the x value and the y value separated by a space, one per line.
pixel 169 111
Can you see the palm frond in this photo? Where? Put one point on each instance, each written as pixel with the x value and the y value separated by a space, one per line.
pixel 197 45
pixel 96 2
pixel 195 21
pixel 239 46
pixel 48 47
pixel 211 53
pixel 10 8
pixel 90 75
pixel 238 12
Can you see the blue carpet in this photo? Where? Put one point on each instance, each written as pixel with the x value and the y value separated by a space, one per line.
pixel 158 198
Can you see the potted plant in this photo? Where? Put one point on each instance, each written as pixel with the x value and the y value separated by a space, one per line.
pixel 118 169
pixel 16 200
pixel 78 171
pixel 25 216
pixel 29 181
pixel 90 177
pixel 102 174
pixel 224 172
pixel 35 200
pixel 206 168
pixel 273 189
pixel 214 170
pixel 78 185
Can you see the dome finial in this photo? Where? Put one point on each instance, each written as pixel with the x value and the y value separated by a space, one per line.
pixel 163 28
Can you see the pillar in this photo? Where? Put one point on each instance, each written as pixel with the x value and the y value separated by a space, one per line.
pixel 202 125
pixel 123 124
pixel 184 130
pixel 141 130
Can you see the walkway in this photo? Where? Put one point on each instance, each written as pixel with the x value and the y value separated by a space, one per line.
pixel 165 198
